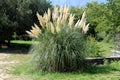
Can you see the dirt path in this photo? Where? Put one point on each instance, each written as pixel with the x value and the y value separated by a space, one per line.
pixel 5 66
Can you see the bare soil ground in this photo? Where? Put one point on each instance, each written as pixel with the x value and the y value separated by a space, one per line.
pixel 6 63
pixel 5 66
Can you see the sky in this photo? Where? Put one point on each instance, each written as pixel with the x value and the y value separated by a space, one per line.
pixel 74 2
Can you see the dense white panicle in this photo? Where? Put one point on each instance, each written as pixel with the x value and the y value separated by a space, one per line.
pixel 55 13
pixel 41 20
pixel 60 17
pixel 77 24
pixel 71 20
pixel 52 28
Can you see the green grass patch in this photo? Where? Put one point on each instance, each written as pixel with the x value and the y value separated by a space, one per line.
pixel 106 48
pixel 22 42
pixel 100 72
pixel 103 72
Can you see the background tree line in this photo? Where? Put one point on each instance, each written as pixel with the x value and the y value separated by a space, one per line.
pixel 103 18
pixel 17 16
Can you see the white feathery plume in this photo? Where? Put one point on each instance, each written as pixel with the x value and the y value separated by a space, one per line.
pixel 86 28
pixel 77 24
pixel 71 20
pixel 41 20
pixel 52 28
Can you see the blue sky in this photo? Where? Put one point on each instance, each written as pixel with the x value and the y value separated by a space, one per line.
pixel 74 2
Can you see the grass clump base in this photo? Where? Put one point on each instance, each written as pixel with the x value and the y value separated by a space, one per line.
pixel 63 52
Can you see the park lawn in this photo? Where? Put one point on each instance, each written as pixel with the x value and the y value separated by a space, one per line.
pixel 105 48
pixel 21 42
pixel 101 72
pixel 78 76
pixel 104 72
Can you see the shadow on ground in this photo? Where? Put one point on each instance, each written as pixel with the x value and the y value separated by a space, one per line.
pixel 15 48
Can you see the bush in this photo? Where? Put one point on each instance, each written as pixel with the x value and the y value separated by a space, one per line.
pixel 60 44
pixel 93 50
pixel 63 52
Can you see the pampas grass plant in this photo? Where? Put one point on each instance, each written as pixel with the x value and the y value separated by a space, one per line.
pixel 60 46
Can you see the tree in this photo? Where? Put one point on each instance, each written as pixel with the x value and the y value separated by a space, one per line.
pixel 104 19
pixel 29 18
pixel 18 16
pixel 96 18
pixel 7 19
pixel 112 15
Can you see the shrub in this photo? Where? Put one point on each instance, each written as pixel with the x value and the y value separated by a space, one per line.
pixel 60 44
pixel 93 50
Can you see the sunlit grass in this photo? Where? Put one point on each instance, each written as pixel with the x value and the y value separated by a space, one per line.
pixel 103 72
pixel 106 48
pixel 22 42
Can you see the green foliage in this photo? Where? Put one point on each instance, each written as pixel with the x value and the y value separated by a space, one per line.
pixel 59 52
pixel 18 15
pixel 105 48
pixel 77 11
pixel 115 65
pixel 109 70
pixel 103 18
pixel 96 18
pixel 93 48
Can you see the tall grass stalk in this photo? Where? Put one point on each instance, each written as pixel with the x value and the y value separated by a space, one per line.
pixel 61 44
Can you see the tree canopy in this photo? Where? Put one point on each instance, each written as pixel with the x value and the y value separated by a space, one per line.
pixel 18 16
pixel 103 18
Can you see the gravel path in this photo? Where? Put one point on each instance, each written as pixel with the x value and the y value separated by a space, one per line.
pixel 5 66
